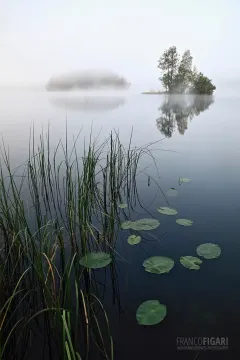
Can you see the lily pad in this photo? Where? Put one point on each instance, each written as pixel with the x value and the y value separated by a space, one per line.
pixel 134 239
pixel 126 225
pixel 190 262
pixel 142 224
pixel 123 206
pixel 184 222
pixel 158 264
pixel 96 260
pixel 151 312
pixel 165 210
pixel 209 251
pixel 145 224
pixel 184 180
pixel 172 192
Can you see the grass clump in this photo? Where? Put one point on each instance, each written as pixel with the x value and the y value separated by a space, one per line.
pixel 55 209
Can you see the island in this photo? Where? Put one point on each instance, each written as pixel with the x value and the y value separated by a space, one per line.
pixel 86 80
pixel 179 76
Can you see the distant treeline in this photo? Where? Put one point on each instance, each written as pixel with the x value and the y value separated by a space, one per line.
pixel 179 76
pixel 86 80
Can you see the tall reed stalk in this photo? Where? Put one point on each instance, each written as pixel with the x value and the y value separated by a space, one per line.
pixel 54 209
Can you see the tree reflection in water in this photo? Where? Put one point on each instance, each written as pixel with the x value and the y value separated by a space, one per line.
pixel 177 110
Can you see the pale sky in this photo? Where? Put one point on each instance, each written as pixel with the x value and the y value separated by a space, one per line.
pixel 41 38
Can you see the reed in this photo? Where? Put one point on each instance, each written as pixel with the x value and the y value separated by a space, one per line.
pixel 54 209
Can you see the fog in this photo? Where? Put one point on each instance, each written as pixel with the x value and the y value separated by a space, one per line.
pixel 41 39
pixel 87 103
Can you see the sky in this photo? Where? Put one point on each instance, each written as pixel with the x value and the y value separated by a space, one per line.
pixel 40 39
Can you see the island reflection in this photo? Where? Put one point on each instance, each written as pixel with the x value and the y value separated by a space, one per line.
pixel 88 103
pixel 177 110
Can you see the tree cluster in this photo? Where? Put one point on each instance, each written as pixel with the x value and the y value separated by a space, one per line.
pixel 178 74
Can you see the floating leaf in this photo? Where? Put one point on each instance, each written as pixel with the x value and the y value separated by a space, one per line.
pixel 190 262
pixel 123 206
pixel 158 264
pixel 151 312
pixel 142 224
pixel 184 222
pixel 209 251
pixel 145 224
pixel 96 260
pixel 134 239
pixel 184 180
pixel 126 225
pixel 167 211
pixel 172 192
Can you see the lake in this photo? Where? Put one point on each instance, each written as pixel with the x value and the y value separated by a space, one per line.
pixel 196 138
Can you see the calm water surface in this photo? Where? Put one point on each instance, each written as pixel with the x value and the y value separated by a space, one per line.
pixel 199 140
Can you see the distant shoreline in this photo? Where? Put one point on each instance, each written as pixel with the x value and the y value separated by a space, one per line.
pixel 167 93
pixel 153 92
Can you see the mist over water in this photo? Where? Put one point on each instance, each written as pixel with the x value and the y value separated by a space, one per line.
pixel 88 103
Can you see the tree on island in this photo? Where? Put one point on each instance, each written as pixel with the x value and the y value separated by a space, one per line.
pixel 168 63
pixel 202 85
pixel 178 76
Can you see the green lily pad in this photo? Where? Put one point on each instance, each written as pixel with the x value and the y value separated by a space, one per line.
pixel 184 180
pixel 145 224
pixel 158 264
pixel 184 222
pixel 134 239
pixel 123 206
pixel 95 260
pixel 209 251
pixel 165 210
pixel 151 312
pixel 142 224
pixel 126 225
pixel 190 262
pixel 172 192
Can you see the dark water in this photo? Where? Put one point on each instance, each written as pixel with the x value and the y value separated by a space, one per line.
pixel 201 142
